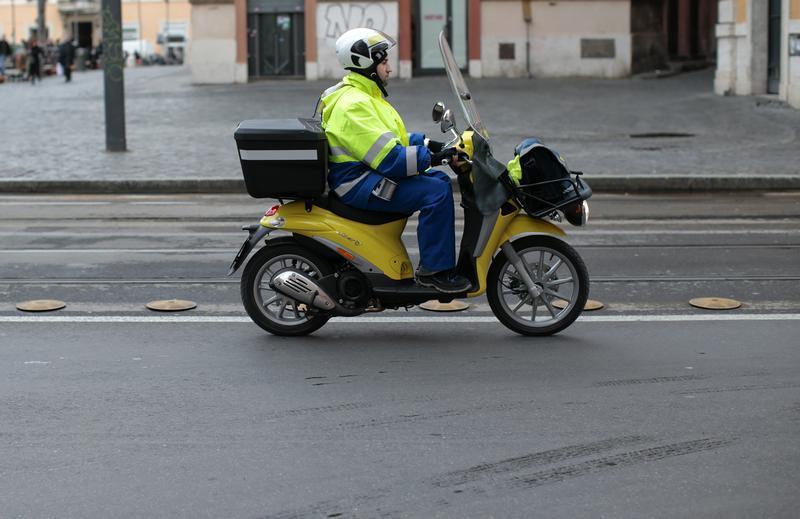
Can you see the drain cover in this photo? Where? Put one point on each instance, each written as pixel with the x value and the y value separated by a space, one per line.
pixel 660 135
pixel 436 306
pixel 41 305
pixel 715 303
pixel 590 305
pixel 171 305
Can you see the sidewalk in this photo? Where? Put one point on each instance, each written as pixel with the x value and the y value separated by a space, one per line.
pixel 626 135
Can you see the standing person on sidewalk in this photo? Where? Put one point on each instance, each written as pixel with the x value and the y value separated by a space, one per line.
pixel 35 56
pixel 5 52
pixel 66 55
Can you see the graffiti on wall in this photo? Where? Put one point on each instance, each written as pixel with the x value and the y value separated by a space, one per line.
pixel 341 16
pixel 336 18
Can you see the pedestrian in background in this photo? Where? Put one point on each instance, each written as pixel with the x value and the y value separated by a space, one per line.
pixel 5 52
pixel 35 55
pixel 66 55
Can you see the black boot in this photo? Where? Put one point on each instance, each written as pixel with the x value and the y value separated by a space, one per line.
pixel 445 281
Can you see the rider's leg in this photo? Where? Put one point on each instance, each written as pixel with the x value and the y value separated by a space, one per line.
pixel 436 230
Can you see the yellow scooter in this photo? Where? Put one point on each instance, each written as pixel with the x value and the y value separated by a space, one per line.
pixel 342 261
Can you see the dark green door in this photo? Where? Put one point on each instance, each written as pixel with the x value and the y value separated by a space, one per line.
pixel 275 46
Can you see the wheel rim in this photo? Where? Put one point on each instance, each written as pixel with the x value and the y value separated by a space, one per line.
pixel 554 273
pixel 275 306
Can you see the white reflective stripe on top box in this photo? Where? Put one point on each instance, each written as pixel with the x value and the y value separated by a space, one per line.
pixel 278 154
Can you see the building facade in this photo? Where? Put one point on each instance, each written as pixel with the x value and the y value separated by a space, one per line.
pixel 237 40
pixel 149 26
pixel 759 48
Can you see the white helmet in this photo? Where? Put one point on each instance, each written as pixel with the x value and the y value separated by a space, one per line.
pixel 360 50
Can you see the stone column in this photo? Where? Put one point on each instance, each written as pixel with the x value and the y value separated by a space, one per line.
pixel 216 54
pixel 790 65
pixel 742 47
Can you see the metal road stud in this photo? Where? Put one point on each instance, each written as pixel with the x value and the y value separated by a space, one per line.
pixel 171 305
pixel 715 303
pixel 453 306
pixel 591 304
pixel 41 305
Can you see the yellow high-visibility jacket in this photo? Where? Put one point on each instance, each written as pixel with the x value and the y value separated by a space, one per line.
pixel 367 139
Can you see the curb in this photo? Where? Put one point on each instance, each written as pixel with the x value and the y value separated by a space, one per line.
pixel 599 184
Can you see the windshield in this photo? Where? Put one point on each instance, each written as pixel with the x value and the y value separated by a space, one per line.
pixel 460 89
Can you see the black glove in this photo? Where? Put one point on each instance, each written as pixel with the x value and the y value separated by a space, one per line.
pixel 446 154
pixel 435 146
pixel 463 167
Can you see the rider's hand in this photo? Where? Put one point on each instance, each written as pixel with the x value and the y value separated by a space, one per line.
pixel 434 146
pixel 448 154
pixel 460 164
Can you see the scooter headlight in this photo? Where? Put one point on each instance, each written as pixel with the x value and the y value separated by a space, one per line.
pixel 577 213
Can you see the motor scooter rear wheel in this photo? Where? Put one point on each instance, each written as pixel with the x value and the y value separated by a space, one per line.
pixel 555 268
pixel 271 310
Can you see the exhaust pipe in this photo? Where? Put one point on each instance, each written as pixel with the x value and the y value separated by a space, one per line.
pixel 301 288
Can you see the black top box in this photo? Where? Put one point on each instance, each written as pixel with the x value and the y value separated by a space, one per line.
pixel 283 158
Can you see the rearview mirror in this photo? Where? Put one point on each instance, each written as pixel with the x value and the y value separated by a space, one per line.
pixel 447 123
pixel 438 111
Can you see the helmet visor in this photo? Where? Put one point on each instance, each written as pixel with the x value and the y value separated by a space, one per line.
pixel 379 46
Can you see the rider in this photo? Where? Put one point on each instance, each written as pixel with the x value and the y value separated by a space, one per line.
pixel 377 166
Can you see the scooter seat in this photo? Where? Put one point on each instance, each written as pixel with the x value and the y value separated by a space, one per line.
pixel 337 207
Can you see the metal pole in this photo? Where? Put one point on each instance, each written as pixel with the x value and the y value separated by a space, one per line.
pixel 40 22
pixel 114 80
pixel 139 31
pixel 166 35
pixel 13 23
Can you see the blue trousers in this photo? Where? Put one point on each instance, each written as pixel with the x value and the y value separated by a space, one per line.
pixel 431 194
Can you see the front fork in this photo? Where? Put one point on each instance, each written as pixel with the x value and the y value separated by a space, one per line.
pixel 533 289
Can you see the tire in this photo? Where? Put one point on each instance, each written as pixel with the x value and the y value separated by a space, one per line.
pixel 567 280
pixel 280 315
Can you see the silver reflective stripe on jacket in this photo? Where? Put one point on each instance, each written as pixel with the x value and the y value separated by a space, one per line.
pixel 376 148
pixel 411 160
pixel 332 89
pixel 327 91
pixel 339 151
pixel 345 187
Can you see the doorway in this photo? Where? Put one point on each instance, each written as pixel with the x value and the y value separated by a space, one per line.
pixel 275 45
pixel 432 17
pixel 82 34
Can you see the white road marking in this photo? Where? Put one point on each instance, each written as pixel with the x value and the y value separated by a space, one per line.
pixel 31 203
pixel 55 251
pixel 123 234
pixel 210 319
pixel 162 203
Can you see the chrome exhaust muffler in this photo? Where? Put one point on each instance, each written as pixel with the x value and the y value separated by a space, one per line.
pixel 302 288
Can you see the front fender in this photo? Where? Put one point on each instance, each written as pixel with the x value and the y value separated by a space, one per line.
pixel 519 226
pixel 524 225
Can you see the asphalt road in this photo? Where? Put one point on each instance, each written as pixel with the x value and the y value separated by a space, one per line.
pixel 647 408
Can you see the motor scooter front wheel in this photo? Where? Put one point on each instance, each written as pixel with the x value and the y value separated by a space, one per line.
pixel 271 310
pixel 556 269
